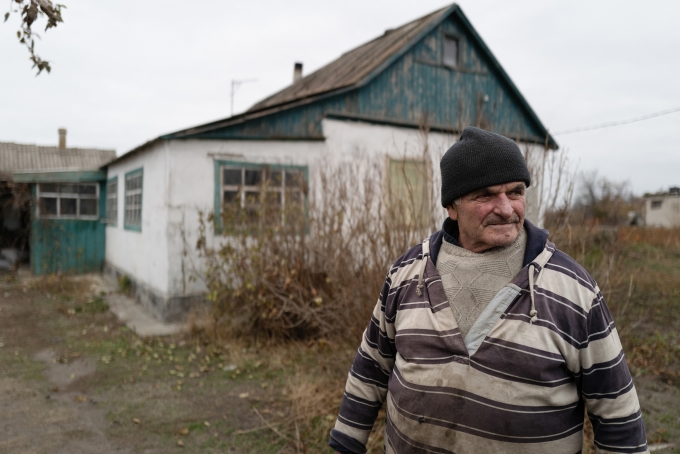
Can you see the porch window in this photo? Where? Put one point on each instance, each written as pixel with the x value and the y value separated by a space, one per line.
pixel 656 204
pixel 409 193
pixel 68 200
pixel 133 200
pixel 112 201
pixel 262 190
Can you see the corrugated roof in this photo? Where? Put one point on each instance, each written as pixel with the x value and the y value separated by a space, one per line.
pixel 18 157
pixel 353 66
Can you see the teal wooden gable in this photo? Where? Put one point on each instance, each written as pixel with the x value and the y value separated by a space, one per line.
pixel 401 79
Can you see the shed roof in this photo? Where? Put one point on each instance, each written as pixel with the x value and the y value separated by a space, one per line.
pixel 21 158
pixel 355 65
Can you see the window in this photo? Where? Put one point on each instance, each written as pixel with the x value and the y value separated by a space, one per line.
pixel 68 200
pixel 133 200
pixel 450 51
pixel 112 201
pixel 256 189
pixel 656 204
pixel 409 194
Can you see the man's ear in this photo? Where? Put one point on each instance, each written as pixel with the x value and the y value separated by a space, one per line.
pixel 453 214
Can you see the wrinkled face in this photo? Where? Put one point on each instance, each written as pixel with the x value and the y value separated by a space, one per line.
pixel 490 217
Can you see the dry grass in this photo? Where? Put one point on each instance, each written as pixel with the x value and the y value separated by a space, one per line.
pixel 638 273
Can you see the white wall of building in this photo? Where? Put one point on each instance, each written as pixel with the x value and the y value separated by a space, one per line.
pixel 179 182
pixel 192 172
pixel 666 215
pixel 142 254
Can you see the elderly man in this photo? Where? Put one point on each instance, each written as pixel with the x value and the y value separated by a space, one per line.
pixel 486 338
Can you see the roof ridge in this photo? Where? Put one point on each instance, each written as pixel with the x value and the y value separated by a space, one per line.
pixel 338 74
pixel 56 147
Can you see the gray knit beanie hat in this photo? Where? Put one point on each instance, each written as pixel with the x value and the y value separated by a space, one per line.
pixel 478 160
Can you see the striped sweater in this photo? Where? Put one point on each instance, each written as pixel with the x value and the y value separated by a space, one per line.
pixel 514 384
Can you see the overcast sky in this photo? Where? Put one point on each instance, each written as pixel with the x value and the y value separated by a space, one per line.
pixel 128 71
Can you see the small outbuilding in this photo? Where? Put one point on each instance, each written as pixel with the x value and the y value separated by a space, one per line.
pixel 52 201
pixel 662 209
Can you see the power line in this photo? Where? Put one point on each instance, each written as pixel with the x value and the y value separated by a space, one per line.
pixel 616 123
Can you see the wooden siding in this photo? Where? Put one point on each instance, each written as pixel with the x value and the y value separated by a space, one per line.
pixel 69 246
pixel 413 89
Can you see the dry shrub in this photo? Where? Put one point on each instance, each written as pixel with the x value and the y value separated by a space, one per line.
pixel 310 270
pixel 638 273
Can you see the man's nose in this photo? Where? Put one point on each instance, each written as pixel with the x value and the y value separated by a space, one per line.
pixel 503 207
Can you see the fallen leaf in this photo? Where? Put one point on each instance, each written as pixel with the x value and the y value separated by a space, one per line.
pixel 243 395
pixel 184 431
pixel 136 420
pixel 80 399
pixel 180 443
pixel 206 423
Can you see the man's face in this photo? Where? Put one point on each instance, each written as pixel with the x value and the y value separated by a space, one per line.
pixel 490 217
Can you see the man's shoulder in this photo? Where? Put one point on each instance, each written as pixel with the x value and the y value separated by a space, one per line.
pixel 408 258
pixel 563 263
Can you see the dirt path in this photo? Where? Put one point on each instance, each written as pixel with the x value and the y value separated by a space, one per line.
pixel 74 380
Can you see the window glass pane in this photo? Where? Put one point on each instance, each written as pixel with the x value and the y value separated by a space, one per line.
pixel 253 177
pixel 252 215
pixel 48 206
pixel 68 189
pixel 450 51
pixel 231 177
pixel 48 187
pixel 88 207
pixel 133 182
pixel 89 189
pixel 252 197
pixel 275 178
pixel 294 179
pixel 68 206
pixel 231 196
pixel 272 198
pixel 293 198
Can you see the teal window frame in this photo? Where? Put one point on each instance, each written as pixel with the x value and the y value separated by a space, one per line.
pixel 59 193
pixel 219 191
pixel 127 225
pixel 111 206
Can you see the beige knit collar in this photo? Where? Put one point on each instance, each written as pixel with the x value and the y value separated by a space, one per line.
pixel 452 249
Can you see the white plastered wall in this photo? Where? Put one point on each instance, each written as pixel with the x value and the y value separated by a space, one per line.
pixel 667 215
pixel 142 254
pixel 179 182
pixel 346 139
pixel 192 171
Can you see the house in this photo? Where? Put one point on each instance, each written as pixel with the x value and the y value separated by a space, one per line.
pixel 52 199
pixel 433 74
pixel 663 208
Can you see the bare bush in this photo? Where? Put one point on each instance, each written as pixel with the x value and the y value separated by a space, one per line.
pixel 603 201
pixel 313 269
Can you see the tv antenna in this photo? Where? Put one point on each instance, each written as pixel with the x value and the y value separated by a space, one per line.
pixel 235 85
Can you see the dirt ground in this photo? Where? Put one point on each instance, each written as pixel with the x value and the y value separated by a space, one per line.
pixel 74 380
